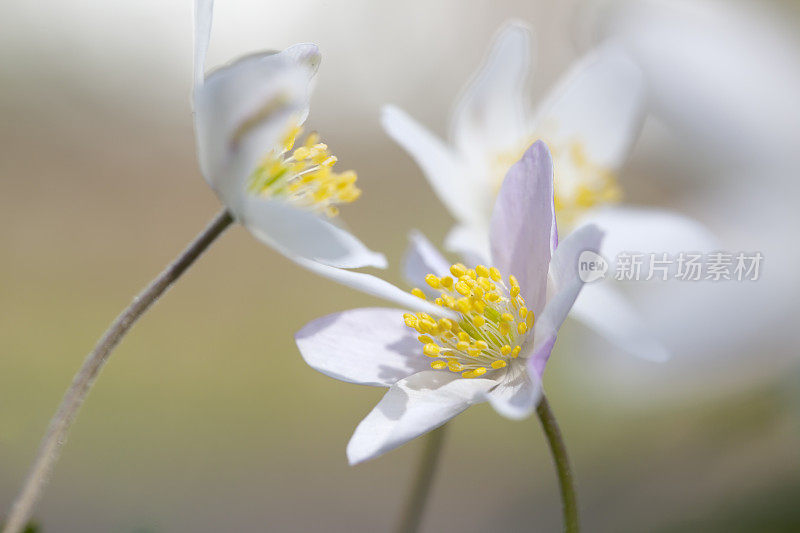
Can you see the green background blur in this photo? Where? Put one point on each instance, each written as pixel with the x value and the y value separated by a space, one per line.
pixel 206 417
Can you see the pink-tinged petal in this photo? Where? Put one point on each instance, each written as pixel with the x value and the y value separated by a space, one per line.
pixel 599 103
pixel 608 313
pixel 302 233
pixel 370 346
pixel 374 286
pixel 437 161
pixel 411 407
pixel 241 113
pixel 491 114
pixel 523 226
pixel 422 258
pixel 564 286
pixel 517 393
pixel 540 354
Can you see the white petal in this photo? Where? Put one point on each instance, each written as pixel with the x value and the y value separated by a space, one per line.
pixel 606 311
pixel 491 113
pixel 298 232
pixel 422 258
pixel 639 229
pixel 241 113
pixel 203 13
pixel 373 286
pixel 437 161
pixel 599 103
pixel 471 242
pixel 564 283
pixel 366 346
pixel 411 407
pixel 517 393
pixel 523 228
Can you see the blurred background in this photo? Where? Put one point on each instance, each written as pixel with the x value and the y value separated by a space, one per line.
pixel 207 419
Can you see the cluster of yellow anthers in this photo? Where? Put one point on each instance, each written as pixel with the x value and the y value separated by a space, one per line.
pixel 580 183
pixel 491 326
pixel 305 177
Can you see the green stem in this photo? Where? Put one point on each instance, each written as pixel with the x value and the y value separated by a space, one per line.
pixel 566 480
pixel 423 479
pixel 53 440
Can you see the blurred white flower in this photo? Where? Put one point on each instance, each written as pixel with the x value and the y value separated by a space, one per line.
pixel 495 333
pixel 590 121
pixel 248 116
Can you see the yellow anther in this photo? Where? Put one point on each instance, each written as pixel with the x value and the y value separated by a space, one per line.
pixel 508 317
pixel 410 320
pixel 514 291
pixel 494 273
pixel 424 339
pixel 431 350
pixel 479 306
pixel 523 311
pixel 469 374
pixel 479 321
pixel 522 327
pixel 481 345
pixel 493 296
pixel 418 293
pixel 455 367
pixel 462 288
pixel 446 281
pixel 480 371
pixel 446 324
pixel 464 305
pixel 471 273
pixel 462 345
pixel 499 364
pixel 505 349
pixel 438 365
pixel 515 351
pixel 458 270
pixel 463 336
pixel 473 352
pixel 505 328
pixel 433 281
pixel 482 271
pixel 529 319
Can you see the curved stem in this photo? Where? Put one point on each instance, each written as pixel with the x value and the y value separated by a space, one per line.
pixel 82 382
pixel 423 479
pixel 566 480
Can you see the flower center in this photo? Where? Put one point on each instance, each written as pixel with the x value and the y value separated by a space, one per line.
pixel 304 177
pixel 579 183
pixel 492 321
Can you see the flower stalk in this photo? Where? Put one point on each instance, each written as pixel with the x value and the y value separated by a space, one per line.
pixel 566 480
pixel 423 479
pixel 50 447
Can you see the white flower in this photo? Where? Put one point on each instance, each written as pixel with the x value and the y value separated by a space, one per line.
pixel 488 336
pixel 248 115
pixel 590 122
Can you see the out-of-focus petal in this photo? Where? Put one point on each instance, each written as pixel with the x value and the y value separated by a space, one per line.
pixel 563 288
pixel 374 286
pixel 302 233
pixel 411 407
pixel 203 12
pixel 640 229
pixel 517 393
pixel 470 242
pixel 599 103
pixel 491 114
pixel 523 227
pixel 608 313
pixel 371 346
pixel 437 161
pixel 241 113
pixel 422 258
